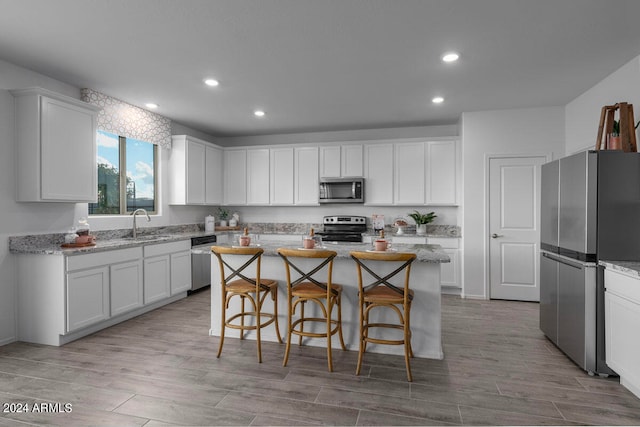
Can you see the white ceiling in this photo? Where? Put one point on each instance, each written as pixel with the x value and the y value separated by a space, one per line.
pixel 319 65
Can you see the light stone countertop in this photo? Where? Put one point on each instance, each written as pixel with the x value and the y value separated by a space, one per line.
pixel 425 253
pixel 631 268
pixel 50 244
pixel 35 246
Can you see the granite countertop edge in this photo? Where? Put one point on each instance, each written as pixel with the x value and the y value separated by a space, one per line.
pixel 631 268
pixel 426 253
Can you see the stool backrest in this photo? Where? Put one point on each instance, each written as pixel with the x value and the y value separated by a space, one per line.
pixel 249 256
pixel 365 260
pixel 323 257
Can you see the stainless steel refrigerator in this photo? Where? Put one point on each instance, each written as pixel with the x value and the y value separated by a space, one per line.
pixel 590 211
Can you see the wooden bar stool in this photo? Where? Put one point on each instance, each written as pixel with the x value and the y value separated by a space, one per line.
pixel 306 288
pixel 255 289
pixel 379 292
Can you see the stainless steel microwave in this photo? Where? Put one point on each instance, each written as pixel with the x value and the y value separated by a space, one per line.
pixel 341 190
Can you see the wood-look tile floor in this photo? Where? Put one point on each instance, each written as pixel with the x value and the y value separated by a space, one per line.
pixel 160 369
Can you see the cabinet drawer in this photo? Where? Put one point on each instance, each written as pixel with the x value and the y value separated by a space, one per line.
pixel 166 248
pixel 623 285
pixel 80 262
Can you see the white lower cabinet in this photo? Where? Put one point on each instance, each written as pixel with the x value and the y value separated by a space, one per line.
pixel 622 322
pixel 157 282
pixel 126 287
pixel 65 297
pixel 167 270
pixel 87 297
pixel 92 279
pixel 449 271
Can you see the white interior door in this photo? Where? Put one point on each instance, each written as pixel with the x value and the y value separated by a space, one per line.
pixel 514 227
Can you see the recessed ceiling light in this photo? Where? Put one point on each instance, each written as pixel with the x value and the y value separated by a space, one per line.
pixel 211 82
pixel 450 57
pixel 259 113
pixel 437 100
pixel 151 105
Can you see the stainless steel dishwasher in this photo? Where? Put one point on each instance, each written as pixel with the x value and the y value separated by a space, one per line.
pixel 201 261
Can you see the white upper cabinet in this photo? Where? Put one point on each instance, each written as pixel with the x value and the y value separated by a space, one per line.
pixel 258 176
pixel 281 178
pixel 306 176
pixel 195 168
pixel 195 173
pixel 409 173
pixel 378 174
pixel 441 173
pixel 341 161
pixel 53 130
pixel 235 177
pixel 330 161
pixel 213 175
pixel 396 172
pixel 351 161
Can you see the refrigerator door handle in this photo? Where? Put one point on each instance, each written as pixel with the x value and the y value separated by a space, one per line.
pixel 567 261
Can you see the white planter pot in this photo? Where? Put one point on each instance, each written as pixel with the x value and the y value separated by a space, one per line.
pixel 223 223
pixel 421 229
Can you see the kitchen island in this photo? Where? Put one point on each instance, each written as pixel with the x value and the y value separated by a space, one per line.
pixel 425 310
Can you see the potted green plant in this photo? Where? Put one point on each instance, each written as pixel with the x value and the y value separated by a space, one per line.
pixel 422 220
pixel 223 215
pixel 614 137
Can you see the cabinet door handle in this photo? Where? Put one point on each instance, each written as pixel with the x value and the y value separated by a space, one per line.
pixel 495 236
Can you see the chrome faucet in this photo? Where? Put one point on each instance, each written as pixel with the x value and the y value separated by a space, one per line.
pixel 134 213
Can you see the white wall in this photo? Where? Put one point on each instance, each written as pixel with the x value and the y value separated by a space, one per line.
pixel 536 131
pixel 582 115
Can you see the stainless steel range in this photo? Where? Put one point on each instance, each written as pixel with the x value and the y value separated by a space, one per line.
pixel 343 228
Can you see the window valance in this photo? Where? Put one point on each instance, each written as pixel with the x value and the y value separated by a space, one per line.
pixel 127 120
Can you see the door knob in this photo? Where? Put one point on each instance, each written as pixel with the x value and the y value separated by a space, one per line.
pixel 495 236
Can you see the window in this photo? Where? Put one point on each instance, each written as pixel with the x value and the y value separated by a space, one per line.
pixel 126 175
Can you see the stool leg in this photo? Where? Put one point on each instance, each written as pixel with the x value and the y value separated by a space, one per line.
pixel 242 318
pixel 329 310
pixel 361 336
pixel 274 297
pixel 409 330
pixel 407 343
pixel 301 320
pixel 258 307
pixel 223 323
pixel 365 329
pixel 339 303
pixel 289 318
